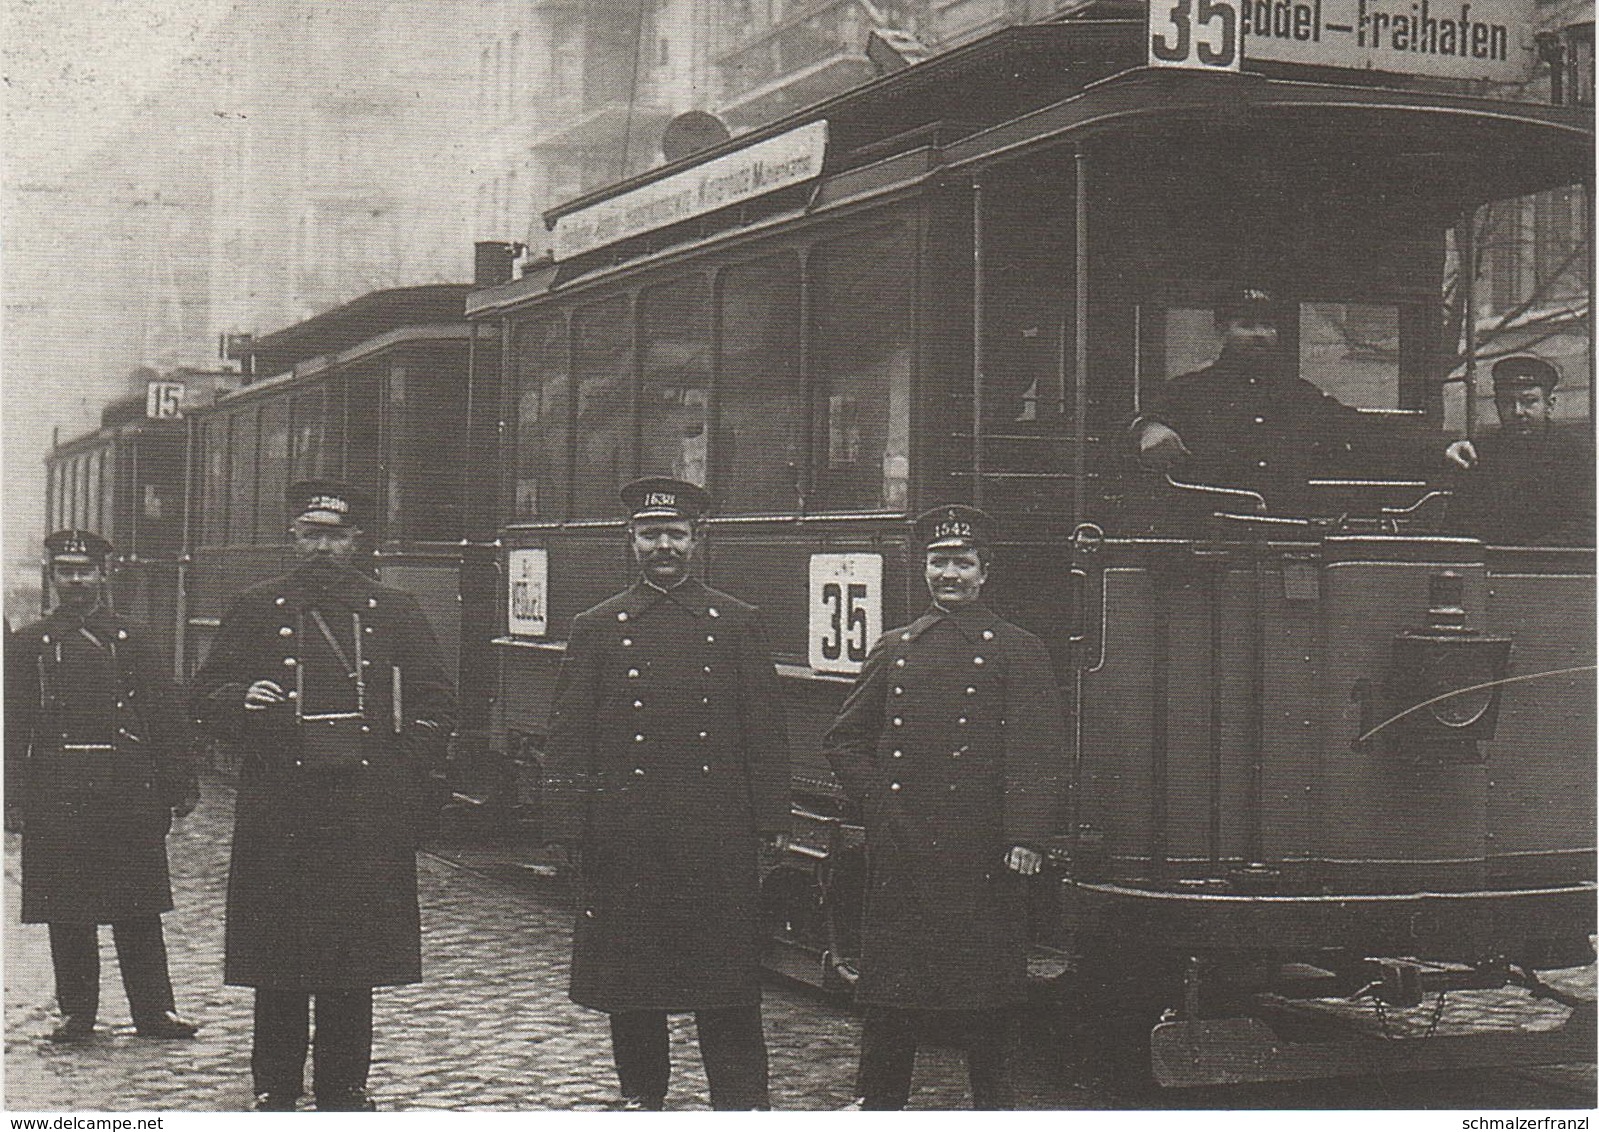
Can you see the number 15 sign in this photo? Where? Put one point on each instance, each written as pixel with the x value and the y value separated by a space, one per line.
pixel 1204 35
pixel 846 610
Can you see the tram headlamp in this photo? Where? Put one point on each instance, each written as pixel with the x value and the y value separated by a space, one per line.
pixel 1441 698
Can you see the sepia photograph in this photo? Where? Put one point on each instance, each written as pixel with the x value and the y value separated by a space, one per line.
pixel 581 556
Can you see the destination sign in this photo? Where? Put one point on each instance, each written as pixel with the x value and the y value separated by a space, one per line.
pixel 780 162
pixel 1459 39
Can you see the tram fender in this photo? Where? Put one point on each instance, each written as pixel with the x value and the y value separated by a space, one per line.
pixel 1234 1051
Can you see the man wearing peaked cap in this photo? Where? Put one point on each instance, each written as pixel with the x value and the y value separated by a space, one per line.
pixel 336 691
pixel 667 766
pixel 950 746
pixel 1531 482
pixel 1248 420
pixel 97 765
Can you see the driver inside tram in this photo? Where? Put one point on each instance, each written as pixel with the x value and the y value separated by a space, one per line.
pixel 1247 420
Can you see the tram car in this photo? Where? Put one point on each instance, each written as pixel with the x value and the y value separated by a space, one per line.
pixel 1335 750
pixel 127 481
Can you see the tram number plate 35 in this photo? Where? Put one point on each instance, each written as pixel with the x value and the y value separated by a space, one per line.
pixel 846 610
pixel 1204 35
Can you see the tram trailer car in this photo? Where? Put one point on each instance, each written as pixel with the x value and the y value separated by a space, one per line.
pixel 1298 742
pixel 126 481
pixel 372 392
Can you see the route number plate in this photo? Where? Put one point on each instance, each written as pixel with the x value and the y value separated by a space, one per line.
pixel 846 610
pixel 1204 35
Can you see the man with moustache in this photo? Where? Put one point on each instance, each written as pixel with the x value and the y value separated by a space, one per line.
pixel 97 765
pixel 667 768
pixel 334 687
pixel 1246 421
pixel 1529 483
pixel 952 746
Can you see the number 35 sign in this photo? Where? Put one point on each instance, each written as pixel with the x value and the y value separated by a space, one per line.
pixel 1204 35
pixel 846 610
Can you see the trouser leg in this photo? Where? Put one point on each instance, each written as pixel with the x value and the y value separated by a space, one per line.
pixel 988 1061
pixel 277 1058
pixel 639 1047
pixel 888 1057
pixel 142 955
pixel 75 954
pixel 343 1043
pixel 733 1047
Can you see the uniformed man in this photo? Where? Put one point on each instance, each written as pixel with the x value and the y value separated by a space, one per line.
pixel 668 764
pixel 97 765
pixel 1529 483
pixel 951 745
pixel 1246 421
pixel 335 689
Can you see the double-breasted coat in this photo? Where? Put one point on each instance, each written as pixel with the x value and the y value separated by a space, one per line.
pixel 322 882
pixel 667 761
pixel 952 744
pixel 97 754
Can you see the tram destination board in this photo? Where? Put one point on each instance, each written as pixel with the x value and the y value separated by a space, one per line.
pixel 1488 40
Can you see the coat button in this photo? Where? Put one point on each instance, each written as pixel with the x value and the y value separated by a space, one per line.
pixel 710 638
pixel 292 694
pixel 894 786
pixel 371 603
pixel 705 735
pixel 706 670
pixel 122 634
pixel 706 769
pixel 44 638
pixel 365 762
pixel 705 699
pixel 899 754
pixel 970 691
pixel 627 642
pixel 899 662
pixel 638 703
pixel 632 674
pixel 904 636
pixel 954 755
pixel 621 615
pixel 278 601
pixel 962 719
pixel 289 662
pixel 712 611
pixel 638 738
pixel 977 660
pixel 1260 463
pixel 988 634
pixel 1260 420
pixel 638 772
pixel 366 628
pixel 898 691
pixel 366 729
pixel 285 631
pixel 899 721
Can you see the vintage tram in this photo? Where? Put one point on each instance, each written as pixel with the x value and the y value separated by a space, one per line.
pixel 1324 753
pixel 1338 751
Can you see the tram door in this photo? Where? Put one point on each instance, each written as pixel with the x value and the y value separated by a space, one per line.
pixel 1020 457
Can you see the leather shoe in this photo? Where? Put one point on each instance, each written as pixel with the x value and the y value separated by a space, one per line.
pixel 166 1025
pixel 274 1102
pixel 74 1029
pixel 643 1104
pixel 346 1100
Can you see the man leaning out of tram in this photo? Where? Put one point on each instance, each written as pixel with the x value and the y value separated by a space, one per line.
pixel 1530 482
pixel 1248 420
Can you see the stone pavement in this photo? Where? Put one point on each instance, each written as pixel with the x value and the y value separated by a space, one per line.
pixel 491 1028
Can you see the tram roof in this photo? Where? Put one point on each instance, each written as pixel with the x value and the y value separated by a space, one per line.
pixel 1005 80
pixel 355 322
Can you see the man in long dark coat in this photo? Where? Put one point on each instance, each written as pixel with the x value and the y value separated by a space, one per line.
pixel 1530 483
pixel 335 689
pixel 668 763
pixel 97 764
pixel 951 745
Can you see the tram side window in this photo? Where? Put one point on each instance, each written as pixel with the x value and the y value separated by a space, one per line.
pixel 760 408
pixel 273 470
pixel 862 332
pixel 543 417
pixel 93 500
pixel 241 478
pixel 214 486
pixel 307 436
pixel 675 376
pixel 602 360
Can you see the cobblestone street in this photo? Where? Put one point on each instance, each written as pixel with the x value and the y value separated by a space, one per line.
pixel 491 1028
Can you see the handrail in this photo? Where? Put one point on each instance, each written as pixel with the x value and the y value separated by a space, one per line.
pixel 1254 497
